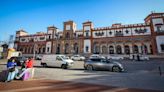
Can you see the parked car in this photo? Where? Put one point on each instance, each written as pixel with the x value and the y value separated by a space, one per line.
pixel 143 57
pixel 56 61
pixel 115 57
pixel 136 56
pixel 96 56
pixel 103 64
pixel 19 60
pixel 77 57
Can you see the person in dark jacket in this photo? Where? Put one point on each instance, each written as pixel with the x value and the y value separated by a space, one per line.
pixel 11 66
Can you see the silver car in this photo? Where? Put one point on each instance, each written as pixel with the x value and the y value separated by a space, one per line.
pixel 103 64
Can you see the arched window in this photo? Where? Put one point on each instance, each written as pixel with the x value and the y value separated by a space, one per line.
pixel 104 49
pixel 39 51
pixel 118 49
pixel 111 50
pixel 48 49
pixel 66 48
pixel 135 49
pixel 87 49
pixel 127 49
pixel 67 35
pixel 76 48
pixel 43 50
pixel 162 47
pixel 58 49
pixel 87 34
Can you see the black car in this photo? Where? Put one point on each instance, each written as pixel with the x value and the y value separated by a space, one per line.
pixel 19 60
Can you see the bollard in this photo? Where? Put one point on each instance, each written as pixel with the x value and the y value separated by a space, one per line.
pixel 160 72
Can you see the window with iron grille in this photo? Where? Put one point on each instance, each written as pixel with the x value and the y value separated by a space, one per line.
pixel 162 47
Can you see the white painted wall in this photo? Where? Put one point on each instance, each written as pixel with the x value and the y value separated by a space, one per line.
pixel 159 40
pixel 158 21
pixel 112 35
pixel 148 32
pixel 79 33
pixel 37 38
pixel 86 28
pixel 48 36
pixel 87 43
pixel 89 33
pixel 50 31
pixel 68 27
pixel 94 35
pixel 26 39
pixel 129 33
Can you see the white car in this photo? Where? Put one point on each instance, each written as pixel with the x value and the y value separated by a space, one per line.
pixel 115 57
pixel 96 56
pixel 77 57
pixel 56 61
pixel 144 58
pixel 141 57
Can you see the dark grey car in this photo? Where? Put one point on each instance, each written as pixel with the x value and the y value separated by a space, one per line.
pixel 103 64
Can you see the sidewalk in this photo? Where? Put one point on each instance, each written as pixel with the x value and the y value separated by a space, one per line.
pixel 44 85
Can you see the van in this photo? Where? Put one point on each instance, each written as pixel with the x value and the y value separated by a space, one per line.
pixel 56 61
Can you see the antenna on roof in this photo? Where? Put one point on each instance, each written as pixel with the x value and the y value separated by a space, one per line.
pixel 152 11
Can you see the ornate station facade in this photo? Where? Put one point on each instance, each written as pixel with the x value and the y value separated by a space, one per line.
pixel 143 38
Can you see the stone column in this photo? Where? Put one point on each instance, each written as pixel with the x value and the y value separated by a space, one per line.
pixel 131 48
pixel 122 48
pixel 139 48
pixel 100 49
pixel 114 48
pixel 148 48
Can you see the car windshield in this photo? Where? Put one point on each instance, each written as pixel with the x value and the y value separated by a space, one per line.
pixel 64 57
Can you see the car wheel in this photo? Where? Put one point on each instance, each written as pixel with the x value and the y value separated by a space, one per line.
pixel 90 68
pixel 64 66
pixel 116 69
pixel 44 65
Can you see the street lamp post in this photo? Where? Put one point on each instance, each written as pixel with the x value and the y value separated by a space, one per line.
pixel 57 38
pixel 35 48
pixel 34 51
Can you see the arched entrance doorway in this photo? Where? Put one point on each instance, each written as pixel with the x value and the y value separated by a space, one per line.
pixel 135 48
pixel 96 48
pixel 66 48
pixel 76 49
pixel 127 49
pixel 58 49
pixel 111 50
pixel 104 49
pixel 151 49
pixel 118 49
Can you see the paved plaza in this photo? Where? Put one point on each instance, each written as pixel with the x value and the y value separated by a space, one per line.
pixel 138 77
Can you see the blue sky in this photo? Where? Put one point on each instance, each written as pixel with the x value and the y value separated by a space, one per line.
pixel 37 15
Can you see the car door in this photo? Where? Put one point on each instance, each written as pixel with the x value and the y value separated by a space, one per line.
pixel 76 57
pixel 58 61
pixel 96 62
pixel 105 64
pixel 48 59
